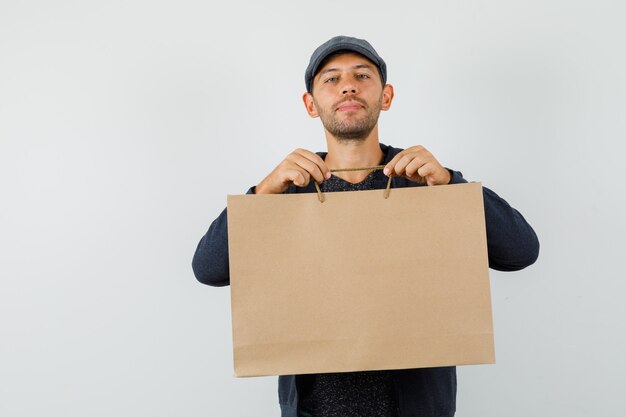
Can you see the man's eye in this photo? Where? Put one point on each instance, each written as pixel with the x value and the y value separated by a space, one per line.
pixel 363 76
pixel 331 80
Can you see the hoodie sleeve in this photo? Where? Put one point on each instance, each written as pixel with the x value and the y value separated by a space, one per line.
pixel 511 242
pixel 210 261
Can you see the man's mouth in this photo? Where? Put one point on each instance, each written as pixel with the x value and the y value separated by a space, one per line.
pixel 350 106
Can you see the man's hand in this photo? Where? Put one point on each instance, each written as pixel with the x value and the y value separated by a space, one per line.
pixel 298 168
pixel 418 165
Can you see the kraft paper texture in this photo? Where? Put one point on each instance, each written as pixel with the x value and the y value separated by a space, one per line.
pixel 359 282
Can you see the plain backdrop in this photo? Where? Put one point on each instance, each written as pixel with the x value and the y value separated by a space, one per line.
pixel 124 125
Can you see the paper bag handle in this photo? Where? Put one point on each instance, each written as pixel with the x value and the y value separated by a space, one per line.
pixel 320 195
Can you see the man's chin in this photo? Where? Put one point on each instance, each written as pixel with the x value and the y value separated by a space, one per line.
pixel 351 135
pixel 353 130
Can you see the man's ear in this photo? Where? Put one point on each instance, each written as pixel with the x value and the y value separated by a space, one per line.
pixel 309 104
pixel 387 97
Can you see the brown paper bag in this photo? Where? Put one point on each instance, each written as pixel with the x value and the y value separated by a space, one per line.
pixel 359 282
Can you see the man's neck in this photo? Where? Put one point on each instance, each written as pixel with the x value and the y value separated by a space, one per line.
pixel 353 154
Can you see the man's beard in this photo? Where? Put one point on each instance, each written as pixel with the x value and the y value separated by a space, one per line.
pixel 351 129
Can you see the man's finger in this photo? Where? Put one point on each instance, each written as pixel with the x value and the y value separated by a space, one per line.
pixel 426 170
pixel 311 167
pixel 298 177
pixel 389 168
pixel 317 160
pixel 403 163
pixel 413 166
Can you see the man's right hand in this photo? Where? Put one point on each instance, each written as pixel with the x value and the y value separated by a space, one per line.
pixel 298 168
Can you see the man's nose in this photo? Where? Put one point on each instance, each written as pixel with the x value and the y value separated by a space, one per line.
pixel 348 88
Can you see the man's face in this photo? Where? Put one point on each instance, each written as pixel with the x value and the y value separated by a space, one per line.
pixel 348 96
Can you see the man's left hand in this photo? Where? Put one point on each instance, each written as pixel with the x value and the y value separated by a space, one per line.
pixel 417 164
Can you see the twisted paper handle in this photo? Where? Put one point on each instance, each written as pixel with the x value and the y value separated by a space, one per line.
pixel 320 195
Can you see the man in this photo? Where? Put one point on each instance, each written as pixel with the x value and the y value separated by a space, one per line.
pixel 347 89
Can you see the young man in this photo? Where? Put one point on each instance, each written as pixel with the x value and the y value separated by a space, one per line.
pixel 347 89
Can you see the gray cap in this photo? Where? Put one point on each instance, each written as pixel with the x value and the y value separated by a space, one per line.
pixel 343 43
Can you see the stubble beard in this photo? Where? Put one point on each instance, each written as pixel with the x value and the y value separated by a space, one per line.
pixel 352 129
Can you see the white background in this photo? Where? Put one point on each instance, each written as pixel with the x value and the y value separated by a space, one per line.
pixel 124 125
